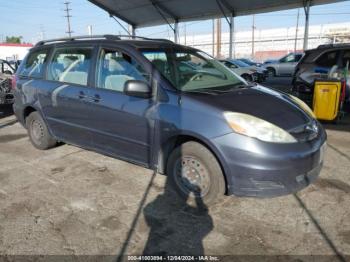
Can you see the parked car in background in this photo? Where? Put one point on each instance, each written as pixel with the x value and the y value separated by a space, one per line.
pixel 6 72
pixel 284 66
pixel 257 66
pixel 250 62
pixel 170 108
pixel 269 61
pixel 249 73
pixel 324 62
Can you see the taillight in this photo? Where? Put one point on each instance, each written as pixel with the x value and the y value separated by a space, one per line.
pixel 13 82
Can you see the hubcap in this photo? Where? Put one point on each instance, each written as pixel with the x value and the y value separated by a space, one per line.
pixel 192 176
pixel 37 130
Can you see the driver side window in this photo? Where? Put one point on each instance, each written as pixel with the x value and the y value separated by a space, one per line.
pixel 116 68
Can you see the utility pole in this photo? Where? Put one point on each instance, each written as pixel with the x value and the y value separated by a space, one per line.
pixel 296 32
pixel 68 16
pixel 185 31
pixel 218 38
pixel 253 37
pixel 213 40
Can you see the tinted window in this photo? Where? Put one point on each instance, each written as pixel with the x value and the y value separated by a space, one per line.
pixel 328 59
pixel 115 68
pixel 346 58
pixel 34 64
pixel 298 57
pixel 70 65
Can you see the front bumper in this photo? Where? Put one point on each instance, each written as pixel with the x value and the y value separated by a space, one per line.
pixel 260 169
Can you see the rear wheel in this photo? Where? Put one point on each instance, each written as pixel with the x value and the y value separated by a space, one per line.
pixel 38 132
pixel 195 174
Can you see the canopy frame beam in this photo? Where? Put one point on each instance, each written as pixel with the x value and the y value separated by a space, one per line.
pixel 162 11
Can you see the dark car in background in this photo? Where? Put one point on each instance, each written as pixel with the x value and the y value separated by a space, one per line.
pixel 250 62
pixel 325 62
pixel 6 72
pixel 248 72
pixel 170 108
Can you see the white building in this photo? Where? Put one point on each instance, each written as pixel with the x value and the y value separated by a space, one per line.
pixel 14 51
pixel 271 43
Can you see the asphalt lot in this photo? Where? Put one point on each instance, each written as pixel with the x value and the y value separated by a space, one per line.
pixel 74 202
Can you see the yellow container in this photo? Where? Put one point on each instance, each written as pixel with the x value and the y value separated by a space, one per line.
pixel 326 99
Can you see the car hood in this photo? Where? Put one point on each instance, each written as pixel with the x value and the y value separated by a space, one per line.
pixel 264 103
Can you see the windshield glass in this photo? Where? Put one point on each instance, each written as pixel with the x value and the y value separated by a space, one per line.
pixel 191 70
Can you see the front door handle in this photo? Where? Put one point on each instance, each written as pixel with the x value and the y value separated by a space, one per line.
pixel 81 95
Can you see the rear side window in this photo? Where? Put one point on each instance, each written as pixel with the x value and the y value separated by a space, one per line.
pixel 328 59
pixel 35 64
pixel 70 65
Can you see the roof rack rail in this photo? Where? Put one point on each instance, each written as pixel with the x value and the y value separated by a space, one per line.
pixel 144 38
pixel 107 37
pixel 84 37
pixel 333 45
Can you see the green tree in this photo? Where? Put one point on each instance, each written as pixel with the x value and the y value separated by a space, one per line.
pixel 14 39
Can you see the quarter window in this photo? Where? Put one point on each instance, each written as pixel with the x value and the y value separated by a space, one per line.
pixel 346 58
pixel 70 65
pixel 34 64
pixel 328 59
pixel 116 68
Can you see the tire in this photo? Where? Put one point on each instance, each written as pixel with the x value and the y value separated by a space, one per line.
pixel 247 77
pixel 204 170
pixel 38 132
pixel 271 71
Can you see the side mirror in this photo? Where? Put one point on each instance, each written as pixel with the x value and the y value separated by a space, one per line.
pixel 137 88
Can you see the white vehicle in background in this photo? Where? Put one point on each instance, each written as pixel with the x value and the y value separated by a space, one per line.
pixel 246 72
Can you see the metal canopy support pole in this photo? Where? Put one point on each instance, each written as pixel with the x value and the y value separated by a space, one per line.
pixel 222 4
pixel 307 16
pixel 133 30
pixel 232 27
pixel 176 32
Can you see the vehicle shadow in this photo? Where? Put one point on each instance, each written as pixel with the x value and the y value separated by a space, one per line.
pixel 328 240
pixel 176 227
pixel 5 111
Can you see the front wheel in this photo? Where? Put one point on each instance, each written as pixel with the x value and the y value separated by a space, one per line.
pixel 38 132
pixel 247 77
pixel 271 72
pixel 195 174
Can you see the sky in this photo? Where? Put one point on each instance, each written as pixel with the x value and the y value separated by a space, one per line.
pixel 33 19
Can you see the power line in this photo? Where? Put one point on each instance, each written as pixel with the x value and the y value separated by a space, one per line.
pixel 68 16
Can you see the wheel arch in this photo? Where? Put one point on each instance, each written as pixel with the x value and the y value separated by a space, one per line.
pixel 171 143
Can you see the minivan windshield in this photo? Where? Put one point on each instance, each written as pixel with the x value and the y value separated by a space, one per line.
pixel 193 71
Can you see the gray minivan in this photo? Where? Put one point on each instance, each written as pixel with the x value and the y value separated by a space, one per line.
pixel 170 108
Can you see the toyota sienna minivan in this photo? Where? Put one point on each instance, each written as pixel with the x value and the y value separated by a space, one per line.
pixel 170 108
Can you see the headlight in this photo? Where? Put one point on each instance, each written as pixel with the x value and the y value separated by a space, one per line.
pixel 255 127
pixel 303 105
